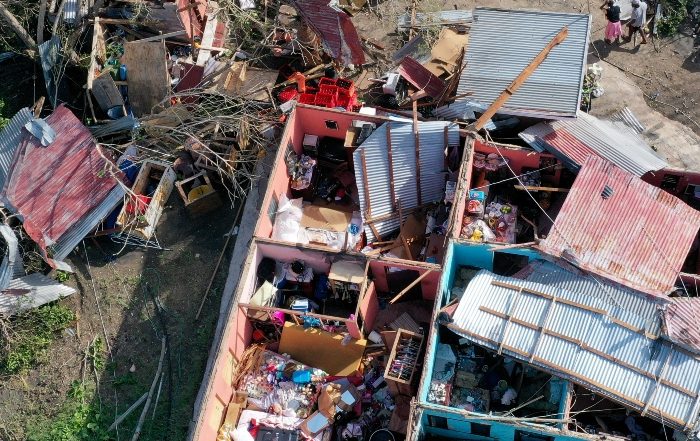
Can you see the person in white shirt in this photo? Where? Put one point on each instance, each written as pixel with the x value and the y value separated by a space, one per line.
pixel 639 20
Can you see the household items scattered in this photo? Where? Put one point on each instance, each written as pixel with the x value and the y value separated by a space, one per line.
pixel 497 225
pixel 300 169
pixel 489 162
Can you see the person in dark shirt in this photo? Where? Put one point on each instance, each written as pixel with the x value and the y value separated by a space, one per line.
pixel 613 31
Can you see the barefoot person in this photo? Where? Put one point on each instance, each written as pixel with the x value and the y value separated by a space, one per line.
pixel 613 30
pixel 639 20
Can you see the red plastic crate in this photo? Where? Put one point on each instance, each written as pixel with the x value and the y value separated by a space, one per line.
pixel 344 102
pixel 328 90
pixel 347 85
pixel 326 81
pixel 307 98
pixel 288 93
pixel 325 100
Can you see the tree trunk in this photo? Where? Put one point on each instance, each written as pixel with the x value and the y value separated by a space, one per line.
pixel 16 27
pixel 40 25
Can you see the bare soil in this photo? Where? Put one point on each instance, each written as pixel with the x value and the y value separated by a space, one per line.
pixel 125 289
pixel 666 70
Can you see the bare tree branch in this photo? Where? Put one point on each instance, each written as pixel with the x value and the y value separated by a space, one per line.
pixel 9 18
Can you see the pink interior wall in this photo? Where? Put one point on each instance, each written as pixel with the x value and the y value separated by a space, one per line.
pixel 312 121
pixel 319 261
pixel 465 175
pixel 429 284
pixel 278 183
pixel 369 306
pixel 687 178
pixel 519 159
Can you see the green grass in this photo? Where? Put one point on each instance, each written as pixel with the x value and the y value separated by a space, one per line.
pixel 30 335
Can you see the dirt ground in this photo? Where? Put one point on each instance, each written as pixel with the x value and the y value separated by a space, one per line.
pixel 666 70
pixel 177 278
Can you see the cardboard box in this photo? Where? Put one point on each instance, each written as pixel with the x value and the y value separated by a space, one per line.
pixel 400 415
pixel 239 401
pixel 334 398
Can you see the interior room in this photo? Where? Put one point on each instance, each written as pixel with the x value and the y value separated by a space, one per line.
pixel 597 415
pixel 314 198
pixel 469 377
pixel 500 208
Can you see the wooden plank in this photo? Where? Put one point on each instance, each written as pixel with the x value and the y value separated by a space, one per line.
pixel 531 188
pixel 207 37
pixel 365 184
pixel 390 155
pixel 163 36
pixel 511 311
pixel 520 79
pixel 403 292
pixel 106 92
pixel 543 327
pixel 416 136
pixel 147 77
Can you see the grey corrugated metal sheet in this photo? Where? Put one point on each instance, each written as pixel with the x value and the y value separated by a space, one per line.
pixel 503 42
pixel 578 329
pixel 71 11
pixel 432 168
pixel 9 140
pixel 625 118
pixel 50 55
pixel 451 17
pixel 41 290
pixel 7 268
pixel 621 299
pixel 463 109
pixel 579 138
pixel 77 233
pixel 123 124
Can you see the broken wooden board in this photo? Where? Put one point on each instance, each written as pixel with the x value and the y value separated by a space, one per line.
pixel 321 349
pixel 209 34
pixel 147 75
pixel 106 92
pixel 446 52
pixel 241 80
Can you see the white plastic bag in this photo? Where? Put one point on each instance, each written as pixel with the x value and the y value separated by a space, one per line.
pixel 287 220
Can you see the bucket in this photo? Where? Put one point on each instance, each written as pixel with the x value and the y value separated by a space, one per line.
pixel 115 112
pixel 382 435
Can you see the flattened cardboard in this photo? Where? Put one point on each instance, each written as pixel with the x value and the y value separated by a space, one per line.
pixel 323 218
pixel 345 271
pixel 321 349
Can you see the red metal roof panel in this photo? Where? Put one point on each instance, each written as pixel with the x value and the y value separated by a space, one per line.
pixel 680 321
pixel 416 74
pixel 340 38
pixel 53 187
pixel 638 235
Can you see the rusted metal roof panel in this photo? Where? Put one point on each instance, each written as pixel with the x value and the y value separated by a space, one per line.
pixel 340 38
pixel 421 78
pixel 53 188
pixel 573 141
pixel 618 226
pixel 681 321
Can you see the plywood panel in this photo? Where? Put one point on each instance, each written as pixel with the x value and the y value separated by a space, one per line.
pixel 321 349
pixel 147 74
pixel 106 92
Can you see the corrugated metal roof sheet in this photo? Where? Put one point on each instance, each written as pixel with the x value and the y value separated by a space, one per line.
pixel 50 55
pixel 625 118
pixel 577 336
pixel 503 42
pixel 617 297
pixel 403 148
pixel 340 39
pixel 421 78
pixel 30 292
pixel 441 18
pixel 9 140
pixel 7 268
pixel 123 124
pixel 53 188
pixel 638 235
pixel 587 135
pixel 681 320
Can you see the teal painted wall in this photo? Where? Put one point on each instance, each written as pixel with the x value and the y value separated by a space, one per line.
pixel 459 428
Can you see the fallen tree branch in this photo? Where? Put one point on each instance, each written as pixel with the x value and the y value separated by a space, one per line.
pixel 8 17
pixel 137 432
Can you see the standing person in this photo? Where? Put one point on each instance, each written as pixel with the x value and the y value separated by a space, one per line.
pixel 613 30
pixel 639 20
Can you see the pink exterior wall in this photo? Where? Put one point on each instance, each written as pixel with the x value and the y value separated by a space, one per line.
pixel 463 186
pixel 369 306
pixel 429 285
